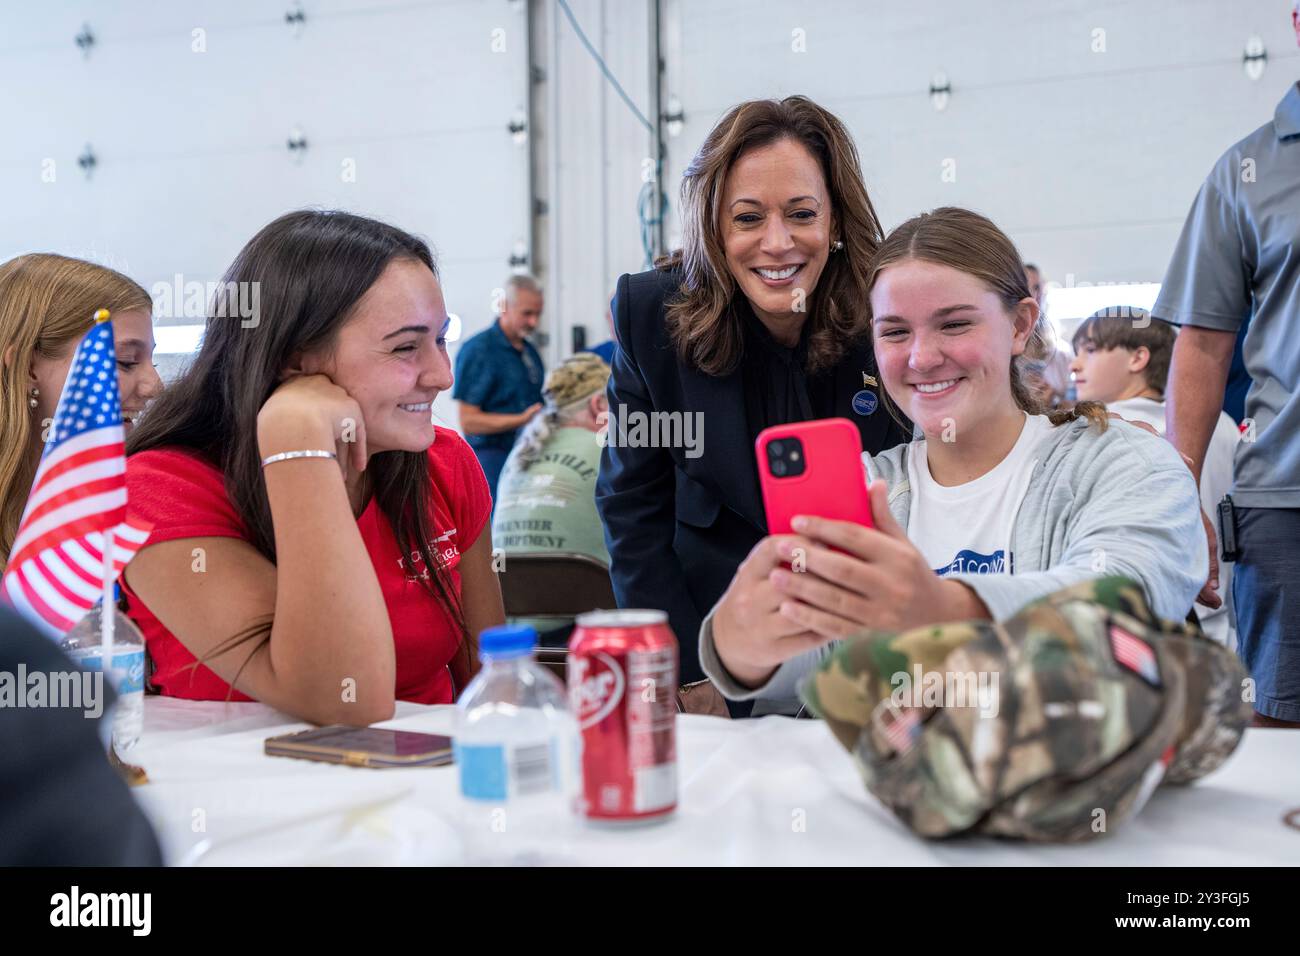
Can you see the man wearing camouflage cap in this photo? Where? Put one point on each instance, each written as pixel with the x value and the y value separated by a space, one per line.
pixel 1054 724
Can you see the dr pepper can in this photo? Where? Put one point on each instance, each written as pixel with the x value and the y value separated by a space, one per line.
pixel 623 690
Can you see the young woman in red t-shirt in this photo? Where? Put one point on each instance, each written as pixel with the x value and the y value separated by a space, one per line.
pixel 319 544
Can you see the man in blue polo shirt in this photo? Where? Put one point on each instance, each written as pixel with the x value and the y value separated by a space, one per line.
pixel 1235 261
pixel 499 378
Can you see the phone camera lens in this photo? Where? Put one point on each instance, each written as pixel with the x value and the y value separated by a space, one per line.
pixel 778 468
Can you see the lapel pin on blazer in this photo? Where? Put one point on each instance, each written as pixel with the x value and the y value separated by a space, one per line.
pixel 865 402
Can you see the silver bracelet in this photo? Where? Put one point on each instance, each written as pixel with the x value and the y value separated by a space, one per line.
pixel 286 455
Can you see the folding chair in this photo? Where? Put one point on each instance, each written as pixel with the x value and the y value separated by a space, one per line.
pixel 554 585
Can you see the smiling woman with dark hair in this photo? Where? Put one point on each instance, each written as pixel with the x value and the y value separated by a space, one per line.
pixel 759 319
pixel 319 544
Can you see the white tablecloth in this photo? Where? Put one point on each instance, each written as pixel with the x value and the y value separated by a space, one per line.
pixel 767 791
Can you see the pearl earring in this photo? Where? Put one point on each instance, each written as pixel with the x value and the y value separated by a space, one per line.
pixel 837 245
pixel 34 395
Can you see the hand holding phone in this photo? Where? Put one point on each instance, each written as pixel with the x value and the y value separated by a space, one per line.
pixel 804 468
pixel 812 468
pixel 778 607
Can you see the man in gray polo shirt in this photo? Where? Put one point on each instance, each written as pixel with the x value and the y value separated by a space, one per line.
pixel 1237 259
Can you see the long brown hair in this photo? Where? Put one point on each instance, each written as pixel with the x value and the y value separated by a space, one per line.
pixel 971 243
pixel 47 303
pixel 704 329
pixel 310 268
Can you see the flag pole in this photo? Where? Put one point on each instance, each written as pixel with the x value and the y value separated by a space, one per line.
pixel 108 608
pixel 106 617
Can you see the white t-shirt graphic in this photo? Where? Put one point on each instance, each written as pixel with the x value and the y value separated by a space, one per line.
pixel 966 529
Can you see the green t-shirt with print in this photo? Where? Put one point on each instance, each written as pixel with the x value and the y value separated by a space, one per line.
pixel 552 505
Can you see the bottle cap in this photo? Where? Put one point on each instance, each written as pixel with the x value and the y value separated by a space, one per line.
pixel 507 640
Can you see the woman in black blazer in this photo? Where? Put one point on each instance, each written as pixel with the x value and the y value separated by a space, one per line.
pixel 760 319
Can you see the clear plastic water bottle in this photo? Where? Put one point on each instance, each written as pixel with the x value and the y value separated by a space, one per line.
pixel 125 674
pixel 517 751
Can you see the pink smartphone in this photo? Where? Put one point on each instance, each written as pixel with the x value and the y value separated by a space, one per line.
pixel 812 468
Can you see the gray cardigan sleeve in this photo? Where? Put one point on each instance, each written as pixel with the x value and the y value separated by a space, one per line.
pixel 1136 513
pixel 781 689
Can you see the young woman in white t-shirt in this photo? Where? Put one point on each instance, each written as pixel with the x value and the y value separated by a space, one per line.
pixel 994 505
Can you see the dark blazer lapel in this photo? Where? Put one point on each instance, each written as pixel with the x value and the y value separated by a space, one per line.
pixel 726 466
pixel 856 373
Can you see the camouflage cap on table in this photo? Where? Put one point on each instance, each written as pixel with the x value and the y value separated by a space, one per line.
pixel 1053 725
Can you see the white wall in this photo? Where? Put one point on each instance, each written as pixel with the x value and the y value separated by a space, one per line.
pixel 1089 160
pixel 594 148
pixel 191 145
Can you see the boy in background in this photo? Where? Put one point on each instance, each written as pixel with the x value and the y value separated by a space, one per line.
pixel 1122 358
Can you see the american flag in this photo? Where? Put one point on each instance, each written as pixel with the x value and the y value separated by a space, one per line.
pixel 903 726
pixel 1135 654
pixel 903 731
pixel 56 565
